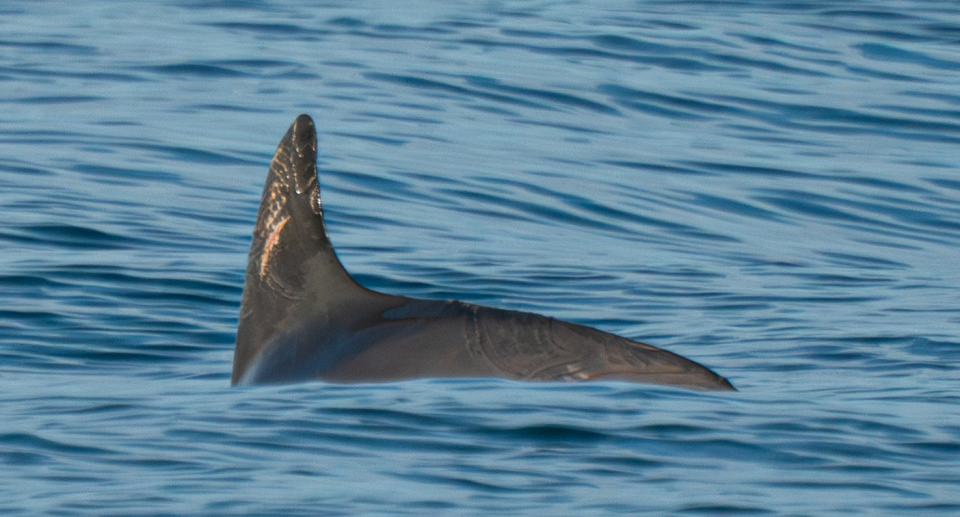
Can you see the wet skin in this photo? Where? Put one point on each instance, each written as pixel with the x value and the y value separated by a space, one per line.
pixel 304 318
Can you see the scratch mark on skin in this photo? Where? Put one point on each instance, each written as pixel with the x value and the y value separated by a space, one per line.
pixel 268 246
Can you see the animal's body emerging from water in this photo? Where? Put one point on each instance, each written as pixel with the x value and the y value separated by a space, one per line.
pixel 304 318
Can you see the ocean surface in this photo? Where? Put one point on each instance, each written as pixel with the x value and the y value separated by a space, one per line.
pixel 769 188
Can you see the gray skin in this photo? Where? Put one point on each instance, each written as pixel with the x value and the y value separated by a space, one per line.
pixel 304 318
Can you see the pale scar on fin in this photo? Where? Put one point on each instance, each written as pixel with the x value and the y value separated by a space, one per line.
pixel 270 243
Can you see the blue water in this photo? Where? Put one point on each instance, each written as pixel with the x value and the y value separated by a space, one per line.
pixel 769 188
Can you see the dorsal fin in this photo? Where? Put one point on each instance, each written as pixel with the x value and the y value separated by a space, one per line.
pixel 292 263
pixel 303 317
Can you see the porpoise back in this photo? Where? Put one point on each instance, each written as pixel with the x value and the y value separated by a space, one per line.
pixel 304 318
